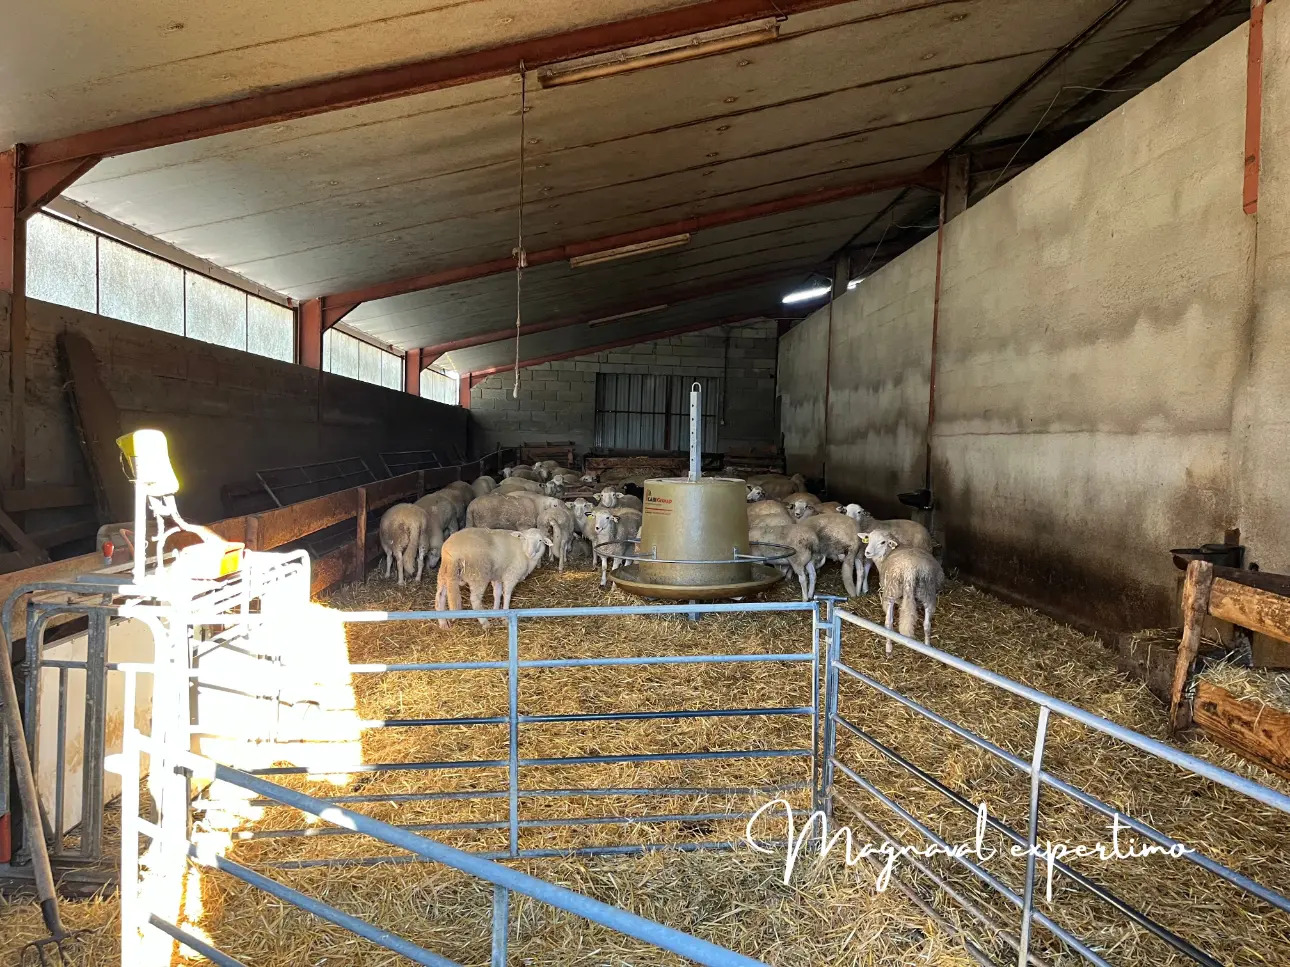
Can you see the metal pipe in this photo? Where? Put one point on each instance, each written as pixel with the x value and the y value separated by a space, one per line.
pixel 1239 880
pixel 696 431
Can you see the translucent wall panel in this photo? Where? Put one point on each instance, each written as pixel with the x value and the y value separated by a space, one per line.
pixel 369 363
pixel 140 288
pixel 436 386
pixel 392 371
pixel 216 312
pixel 344 354
pixel 60 263
pixel 269 330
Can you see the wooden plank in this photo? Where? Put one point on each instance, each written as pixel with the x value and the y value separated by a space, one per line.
pixel 99 426
pixel 385 492
pixel 1254 730
pixel 1195 606
pixel 1263 580
pixel 44 498
pixel 286 524
pixel 20 541
pixel 330 569
pixel 63 570
pixel 1251 608
pixel 360 537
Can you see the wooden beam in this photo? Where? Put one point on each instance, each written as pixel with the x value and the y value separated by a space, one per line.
pixel 44 498
pixel 99 425
pixel 1254 730
pixel 372 86
pixel 1195 607
pixel 1251 608
pixel 20 541
pixel 345 301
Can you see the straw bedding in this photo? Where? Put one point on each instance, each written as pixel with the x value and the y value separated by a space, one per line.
pixel 1252 684
pixel 828 915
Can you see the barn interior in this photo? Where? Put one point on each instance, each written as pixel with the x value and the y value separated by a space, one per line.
pixel 1007 273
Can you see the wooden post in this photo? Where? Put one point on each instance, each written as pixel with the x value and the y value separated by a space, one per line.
pixel 1195 607
pixel 360 540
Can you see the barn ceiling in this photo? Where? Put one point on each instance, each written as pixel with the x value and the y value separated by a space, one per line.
pixel 850 92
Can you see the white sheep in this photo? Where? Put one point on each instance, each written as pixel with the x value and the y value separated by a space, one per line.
pixel 839 540
pixel 588 477
pixel 755 493
pixel 801 505
pixel 776 486
pixel 830 507
pixel 804 544
pixel 523 511
pixel 523 473
pixel 609 497
pixel 483 486
pixel 908 575
pixel 443 517
pixel 513 485
pixel 909 533
pixel 406 536
pixel 486 557
pixel 613 526
pixel 768 512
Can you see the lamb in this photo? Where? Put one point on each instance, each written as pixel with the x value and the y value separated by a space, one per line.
pixel 461 494
pixel 545 468
pixel 804 543
pixel 580 510
pixel 406 535
pixel 443 520
pixel 523 511
pixel 483 486
pixel 802 505
pixel 755 494
pixel 909 533
pixel 830 507
pixel 522 472
pixel 776 485
pixel 482 557
pixel 514 484
pixel 909 575
pixel 839 540
pixel 609 497
pixel 607 526
pixel 768 512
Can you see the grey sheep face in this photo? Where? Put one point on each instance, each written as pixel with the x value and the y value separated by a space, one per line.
pixel 605 526
pixel 553 488
pixel 609 497
pixel 755 493
pixel 589 478
pixel 878 544
pixel 854 511
pixel 801 509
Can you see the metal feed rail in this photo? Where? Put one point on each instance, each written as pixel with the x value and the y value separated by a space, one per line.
pixel 1047 706
pixel 172 839
pixel 516 764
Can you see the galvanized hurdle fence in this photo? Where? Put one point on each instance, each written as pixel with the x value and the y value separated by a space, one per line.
pixel 840 779
pixel 172 839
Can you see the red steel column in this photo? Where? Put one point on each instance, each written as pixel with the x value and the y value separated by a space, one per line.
pixel 464 382
pixel 309 334
pixel 412 372
pixel 13 280
pixel 1253 108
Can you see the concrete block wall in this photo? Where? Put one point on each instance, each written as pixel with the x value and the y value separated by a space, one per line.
pixel 227 413
pixel 1110 374
pixel 557 400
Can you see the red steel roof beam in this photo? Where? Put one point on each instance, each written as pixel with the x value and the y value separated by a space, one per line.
pixel 372 86
pixel 336 306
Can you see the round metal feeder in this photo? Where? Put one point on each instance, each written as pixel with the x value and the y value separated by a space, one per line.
pixel 694 544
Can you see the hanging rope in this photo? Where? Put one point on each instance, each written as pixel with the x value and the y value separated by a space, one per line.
pixel 521 257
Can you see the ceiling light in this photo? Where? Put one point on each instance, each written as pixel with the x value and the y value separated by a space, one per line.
pixel 806 295
pixel 675 53
pixel 605 320
pixel 629 251
pixel 855 282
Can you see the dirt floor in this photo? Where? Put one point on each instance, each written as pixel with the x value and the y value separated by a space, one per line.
pixel 828 914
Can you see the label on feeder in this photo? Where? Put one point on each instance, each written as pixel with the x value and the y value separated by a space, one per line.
pixel 658 505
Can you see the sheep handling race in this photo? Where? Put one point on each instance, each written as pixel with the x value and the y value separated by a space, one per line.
pixel 692 700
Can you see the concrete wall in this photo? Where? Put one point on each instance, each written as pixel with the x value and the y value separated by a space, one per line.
pixel 226 413
pixel 1111 360
pixel 557 400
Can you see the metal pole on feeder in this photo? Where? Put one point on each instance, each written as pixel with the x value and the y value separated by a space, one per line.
pixel 696 432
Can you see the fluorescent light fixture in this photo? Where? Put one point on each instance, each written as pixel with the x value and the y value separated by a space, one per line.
pixel 626 315
pixel 658 55
pixel 806 295
pixel 855 282
pixel 630 251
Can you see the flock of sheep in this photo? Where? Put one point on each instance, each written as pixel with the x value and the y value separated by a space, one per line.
pixel 485 534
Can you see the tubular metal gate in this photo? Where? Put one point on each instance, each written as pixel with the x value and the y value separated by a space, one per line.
pixel 1023 899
